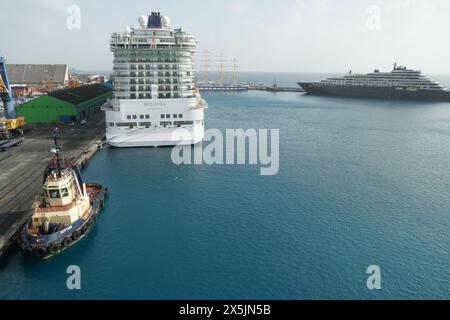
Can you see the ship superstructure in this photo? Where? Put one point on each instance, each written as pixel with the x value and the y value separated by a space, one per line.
pixel 400 83
pixel 154 87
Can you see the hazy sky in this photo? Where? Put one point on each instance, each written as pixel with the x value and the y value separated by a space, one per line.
pixel 265 35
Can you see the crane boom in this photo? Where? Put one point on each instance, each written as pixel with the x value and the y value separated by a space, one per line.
pixel 12 126
pixel 6 92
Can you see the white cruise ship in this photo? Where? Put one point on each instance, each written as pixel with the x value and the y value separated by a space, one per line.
pixel 155 100
pixel 401 84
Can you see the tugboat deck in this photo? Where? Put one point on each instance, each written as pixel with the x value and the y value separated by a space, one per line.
pixel 42 209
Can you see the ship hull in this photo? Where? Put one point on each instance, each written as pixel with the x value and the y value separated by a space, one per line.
pixel 155 123
pixel 376 93
pixel 45 247
pixel 155 137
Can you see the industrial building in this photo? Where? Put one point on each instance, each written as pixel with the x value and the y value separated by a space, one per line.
pixel 67 105
pixel 35 75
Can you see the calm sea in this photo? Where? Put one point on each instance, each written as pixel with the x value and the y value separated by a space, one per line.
pixel 361 183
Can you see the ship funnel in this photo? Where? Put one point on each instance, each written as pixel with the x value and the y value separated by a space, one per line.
pixel 154 21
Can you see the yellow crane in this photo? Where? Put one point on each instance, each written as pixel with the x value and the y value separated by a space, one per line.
pixel 11 126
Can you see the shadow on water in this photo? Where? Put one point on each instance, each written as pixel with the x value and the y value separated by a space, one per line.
pixel 29 262
pixel 17 258
pixel 7 257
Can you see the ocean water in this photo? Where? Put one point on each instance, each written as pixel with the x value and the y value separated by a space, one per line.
pixel 361 183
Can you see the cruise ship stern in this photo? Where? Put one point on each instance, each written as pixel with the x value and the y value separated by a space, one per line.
pixel 155 100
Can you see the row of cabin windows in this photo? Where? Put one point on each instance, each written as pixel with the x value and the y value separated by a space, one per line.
pixel 132 125
pixel 56 194
pixel 149 88
pixel 147 81
pixel 175 116
pixel 134 74
pixel 149 96
pixel 142 117
pixel 147 116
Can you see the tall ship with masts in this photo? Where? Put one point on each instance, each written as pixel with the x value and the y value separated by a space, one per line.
pixel 220 85
pixel 399 84
pixel 155 100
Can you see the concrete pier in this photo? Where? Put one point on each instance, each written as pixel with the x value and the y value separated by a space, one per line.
pixel 275 89
pixel 22 169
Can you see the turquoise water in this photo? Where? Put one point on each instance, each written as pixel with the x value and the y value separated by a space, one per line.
pixel 361 183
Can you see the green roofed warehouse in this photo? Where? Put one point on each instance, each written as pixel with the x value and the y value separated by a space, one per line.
pixel 66 105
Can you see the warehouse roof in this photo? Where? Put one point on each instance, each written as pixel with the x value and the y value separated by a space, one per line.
pixel 37 73
pixel 80 94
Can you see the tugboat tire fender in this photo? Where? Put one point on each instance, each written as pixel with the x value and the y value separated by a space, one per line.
pixel 76 235
pixel 23 245
pixel 40 252
pixel 67 242
pixel 85 229
pixel 53 249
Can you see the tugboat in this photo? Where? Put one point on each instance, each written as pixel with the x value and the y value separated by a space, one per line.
pixel 65 211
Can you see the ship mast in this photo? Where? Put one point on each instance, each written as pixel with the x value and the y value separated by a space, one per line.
pixel 221 60
pixel 206 63
pixel 57 150
pixel 235 72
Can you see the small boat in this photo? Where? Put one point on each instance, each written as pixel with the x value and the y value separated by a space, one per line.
pixel 274 87
pixel 211 86
pixel 65 211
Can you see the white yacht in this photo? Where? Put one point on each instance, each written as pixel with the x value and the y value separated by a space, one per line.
pixel 155 100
